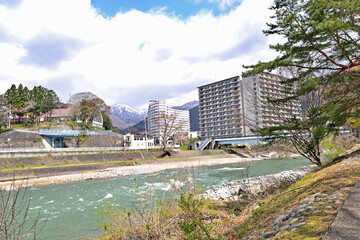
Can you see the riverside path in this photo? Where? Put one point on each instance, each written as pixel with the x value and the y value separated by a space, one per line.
pixel 346 225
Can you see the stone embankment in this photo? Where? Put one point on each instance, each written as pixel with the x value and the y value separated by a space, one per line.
pixel 252 186
pixel 318 203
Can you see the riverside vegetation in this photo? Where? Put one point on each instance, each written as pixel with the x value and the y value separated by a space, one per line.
pixel 301 210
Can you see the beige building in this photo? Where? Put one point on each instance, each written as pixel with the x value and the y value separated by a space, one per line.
pixel 163 120
pixel 258 112
pixel 137 141
pixel 230 108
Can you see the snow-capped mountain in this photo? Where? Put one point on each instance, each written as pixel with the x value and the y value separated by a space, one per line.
pixel 124 116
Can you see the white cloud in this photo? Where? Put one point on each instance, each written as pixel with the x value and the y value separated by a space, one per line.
pixel 223 4
pixel 161 55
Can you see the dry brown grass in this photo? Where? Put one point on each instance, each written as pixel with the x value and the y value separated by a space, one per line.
pixel 326 180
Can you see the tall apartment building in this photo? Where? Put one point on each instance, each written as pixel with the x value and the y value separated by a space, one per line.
pixel 221 109
pixel 231 107
pixel 156 109
pixel 258 112
pixel 181 119
pixel 162 116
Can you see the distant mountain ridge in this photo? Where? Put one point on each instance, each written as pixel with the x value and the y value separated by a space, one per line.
pixel 193 108
pixel 188 105
pixel 124 116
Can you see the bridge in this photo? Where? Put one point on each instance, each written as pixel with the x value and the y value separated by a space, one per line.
pixel 57 136
pixel 228 141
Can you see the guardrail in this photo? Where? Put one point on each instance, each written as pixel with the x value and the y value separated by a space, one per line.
pixel 74 132
pixel 64 150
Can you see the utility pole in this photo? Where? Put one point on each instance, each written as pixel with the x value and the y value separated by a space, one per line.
pixel 146 141
pixel 128 125
pixel 9 116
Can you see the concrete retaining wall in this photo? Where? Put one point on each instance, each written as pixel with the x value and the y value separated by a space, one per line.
pixel 98 157
pixel 20 140
pixel 133 159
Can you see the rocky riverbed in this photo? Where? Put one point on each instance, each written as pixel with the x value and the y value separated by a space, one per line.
pixel 128 170
pixel 251 186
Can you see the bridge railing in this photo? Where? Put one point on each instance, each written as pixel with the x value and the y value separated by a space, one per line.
pixel 74 132
pixel 64 150
pixel 204 143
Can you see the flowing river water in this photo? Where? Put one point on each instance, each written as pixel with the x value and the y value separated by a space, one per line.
pixel 70 209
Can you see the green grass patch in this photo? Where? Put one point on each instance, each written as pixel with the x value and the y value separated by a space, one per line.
pixel 328 179
pixel 67 163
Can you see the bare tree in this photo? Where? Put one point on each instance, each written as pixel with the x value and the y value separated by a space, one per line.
pixel 78 97
pixel 88 106
pixel 14 219
pixel 167 125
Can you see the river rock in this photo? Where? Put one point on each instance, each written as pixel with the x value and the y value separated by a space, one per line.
pixel 316 212
pixel 268 234
pixel 279 219
pixel 255 185
pixel 284 228
pixel 319 203
pixel 294 220
pixel 338 194
pixel 309 209
pixel 297 225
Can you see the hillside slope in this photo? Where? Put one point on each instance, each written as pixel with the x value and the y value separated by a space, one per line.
pixel 307 208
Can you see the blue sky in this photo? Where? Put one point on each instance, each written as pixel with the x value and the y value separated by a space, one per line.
pixel 126 56
pixel 181 8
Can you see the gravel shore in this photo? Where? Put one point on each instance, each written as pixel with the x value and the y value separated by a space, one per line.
pixel 130 170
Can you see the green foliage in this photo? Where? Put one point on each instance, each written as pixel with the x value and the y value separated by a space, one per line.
pixel 191 140
pixel 4 130
pixel 45 100
pixel 184 148
pixel 320 35
pixel 107 123
pixel 336 146
pixel 107 213
pixel 194 227
pixel 81 138
pixel 72 124
pixel 321 52
pixel 36 101
pixel 355 123
pixel 18 98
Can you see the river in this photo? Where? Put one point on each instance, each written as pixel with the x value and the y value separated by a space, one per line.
pixel 70 209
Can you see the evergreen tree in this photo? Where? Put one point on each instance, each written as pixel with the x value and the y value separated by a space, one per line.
pixel 45 100
pixel 321 54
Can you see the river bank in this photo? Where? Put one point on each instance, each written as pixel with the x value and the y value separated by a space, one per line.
pixel 146 167
pixel 252 186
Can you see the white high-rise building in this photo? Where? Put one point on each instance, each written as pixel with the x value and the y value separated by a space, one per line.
pixel 156 109
pixel 162 118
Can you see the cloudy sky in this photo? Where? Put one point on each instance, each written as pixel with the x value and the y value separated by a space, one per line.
pixel 130 51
